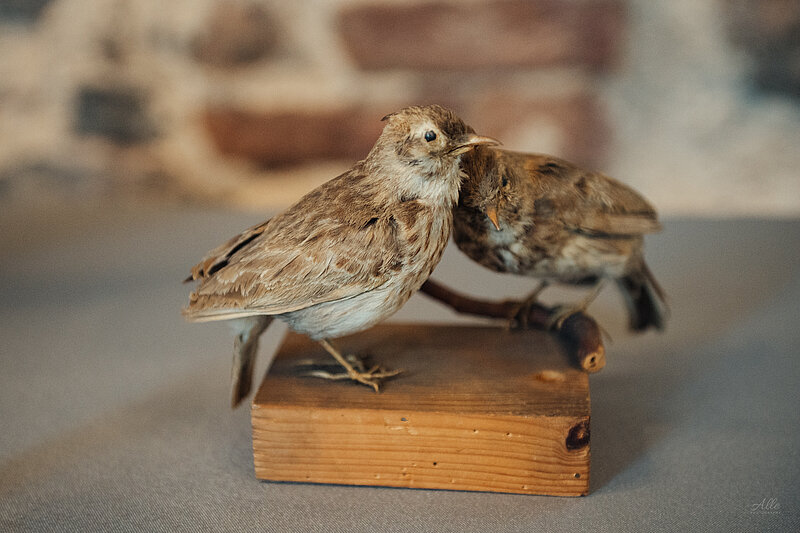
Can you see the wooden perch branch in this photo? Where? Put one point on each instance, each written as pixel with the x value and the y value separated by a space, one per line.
pixel 579 333
pixel 582 339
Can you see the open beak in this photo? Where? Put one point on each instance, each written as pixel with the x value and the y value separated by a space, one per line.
pixel 470 141
pixel 491 214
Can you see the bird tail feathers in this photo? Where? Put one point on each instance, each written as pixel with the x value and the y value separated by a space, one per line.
pixel 245 348
pixel 645 299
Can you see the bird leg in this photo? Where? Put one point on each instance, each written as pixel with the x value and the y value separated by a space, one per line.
pixel 520 314
pixel 565 311
pixel 355 369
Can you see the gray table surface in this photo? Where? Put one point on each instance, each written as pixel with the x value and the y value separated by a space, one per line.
pixel 115 417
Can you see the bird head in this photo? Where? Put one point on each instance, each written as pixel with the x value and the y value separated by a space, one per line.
pixel 488 185
pixel 430 138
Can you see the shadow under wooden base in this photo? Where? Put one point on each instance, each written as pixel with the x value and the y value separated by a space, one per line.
pixel 476 408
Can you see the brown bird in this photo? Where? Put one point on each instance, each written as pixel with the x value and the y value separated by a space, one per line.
pixel 349 253
pixel 540 216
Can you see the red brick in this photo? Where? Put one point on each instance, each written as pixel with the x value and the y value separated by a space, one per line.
pixel 281 139
pixel 488 35
pixel 236 34
pixel 275 139
pixel 580 119
pixel 500 106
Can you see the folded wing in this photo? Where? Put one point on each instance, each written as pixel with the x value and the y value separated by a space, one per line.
pixel 296 260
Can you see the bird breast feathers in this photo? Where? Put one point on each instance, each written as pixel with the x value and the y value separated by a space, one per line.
pixel 425 181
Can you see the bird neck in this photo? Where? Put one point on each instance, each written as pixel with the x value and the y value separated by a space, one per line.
pixel 431 181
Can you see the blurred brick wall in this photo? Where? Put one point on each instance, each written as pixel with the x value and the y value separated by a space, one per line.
pixel 253 102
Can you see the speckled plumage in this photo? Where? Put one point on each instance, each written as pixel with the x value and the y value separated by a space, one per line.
pixel 559 223
pixel 351 252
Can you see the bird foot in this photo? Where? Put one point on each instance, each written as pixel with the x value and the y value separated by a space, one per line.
pixel 355 370
pixel 518 318
pixel 520 314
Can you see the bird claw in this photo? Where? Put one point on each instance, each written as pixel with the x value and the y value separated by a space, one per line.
pixel 358 372
pixel 373 377
pixel 519 317
pixel 355 361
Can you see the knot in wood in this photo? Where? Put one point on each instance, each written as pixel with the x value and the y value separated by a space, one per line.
pixel 578 436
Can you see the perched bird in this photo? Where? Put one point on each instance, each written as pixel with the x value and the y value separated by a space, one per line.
pixel 536 215
pixel 349 253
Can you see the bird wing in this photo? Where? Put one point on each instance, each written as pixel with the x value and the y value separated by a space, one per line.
pixel 613 208
pixel 294 261
pixel 220 256
pixel 590 202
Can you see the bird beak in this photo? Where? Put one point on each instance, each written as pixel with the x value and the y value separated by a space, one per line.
pixel 470 141
pixel 491 213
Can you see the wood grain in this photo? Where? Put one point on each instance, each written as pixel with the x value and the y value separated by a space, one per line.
pixel 477 408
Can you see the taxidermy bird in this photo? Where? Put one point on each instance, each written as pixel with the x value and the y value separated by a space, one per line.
pixel 349 253
pixel 540 216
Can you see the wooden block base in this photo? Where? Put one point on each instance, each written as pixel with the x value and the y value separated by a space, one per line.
pixel 477 408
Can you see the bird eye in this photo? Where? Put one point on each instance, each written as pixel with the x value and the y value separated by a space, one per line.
pixel 430 135
pixel 504 182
